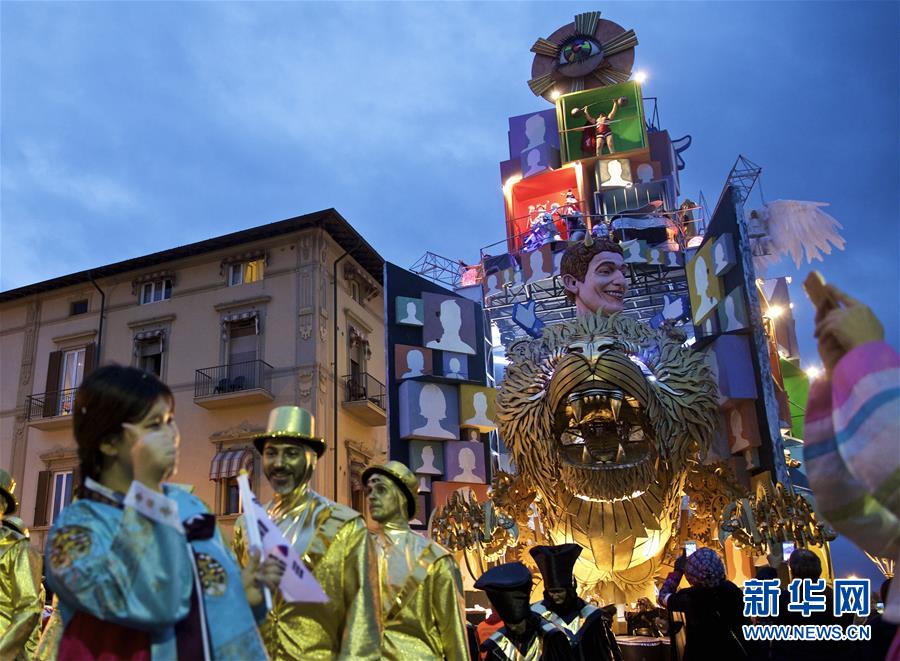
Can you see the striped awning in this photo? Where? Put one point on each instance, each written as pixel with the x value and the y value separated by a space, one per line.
pixel 144 336
pixel 239 316
pixel 228 463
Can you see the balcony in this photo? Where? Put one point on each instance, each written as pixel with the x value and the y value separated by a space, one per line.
pixel 50 410
pixel 364 398
pixel 237 384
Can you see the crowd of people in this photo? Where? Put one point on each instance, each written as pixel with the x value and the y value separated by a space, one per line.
pixel 141 571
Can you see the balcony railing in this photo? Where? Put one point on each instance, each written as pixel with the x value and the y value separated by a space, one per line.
pixel 234 378
pixel 363 387
pixel 50 404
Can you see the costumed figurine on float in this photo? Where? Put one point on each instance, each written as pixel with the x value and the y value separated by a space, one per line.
pixel 602 415
pixel 21 594
pixel 423 608
pixel 524 634
pixel 586 625
pixel 333 542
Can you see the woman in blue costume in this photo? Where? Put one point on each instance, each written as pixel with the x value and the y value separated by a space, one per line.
pixel 139 566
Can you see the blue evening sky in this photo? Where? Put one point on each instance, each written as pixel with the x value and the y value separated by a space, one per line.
pixel 129 128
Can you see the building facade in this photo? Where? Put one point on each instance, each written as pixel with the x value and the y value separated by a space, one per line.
pixel 286 313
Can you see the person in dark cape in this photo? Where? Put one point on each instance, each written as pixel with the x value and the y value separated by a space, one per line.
pixel 525 634
pixel 583 623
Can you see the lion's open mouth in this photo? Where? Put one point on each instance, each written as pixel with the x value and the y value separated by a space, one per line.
pixel 605 444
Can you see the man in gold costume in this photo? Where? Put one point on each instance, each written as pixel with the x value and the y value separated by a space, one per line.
pixel 21 595
pixel 332 540
pixel 421 588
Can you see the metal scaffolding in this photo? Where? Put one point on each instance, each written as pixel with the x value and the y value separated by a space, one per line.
pixel 443 271
pixel 743 177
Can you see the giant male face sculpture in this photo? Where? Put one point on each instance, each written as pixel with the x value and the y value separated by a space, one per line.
pixel 603 415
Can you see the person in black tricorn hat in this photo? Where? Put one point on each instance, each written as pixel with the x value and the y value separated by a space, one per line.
pixel 525 635
pixel 583 623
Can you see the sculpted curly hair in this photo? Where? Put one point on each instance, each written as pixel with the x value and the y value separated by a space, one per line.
pixel 577 258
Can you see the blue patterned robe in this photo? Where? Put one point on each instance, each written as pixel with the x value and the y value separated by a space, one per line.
pixel 128 560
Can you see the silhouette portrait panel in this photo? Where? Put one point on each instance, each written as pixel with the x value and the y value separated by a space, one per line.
pixel 732 311
pixel 741 425
pixel 410 361
pixel 704 286
pixel 456 365
pixel 615 172
pixel 410 311
pixel 464 462
pixel 426 458
pixel 478 407
pixel 536 160
pixel 531 130
pixel 723 255
pixel 449 323
pixel 428 411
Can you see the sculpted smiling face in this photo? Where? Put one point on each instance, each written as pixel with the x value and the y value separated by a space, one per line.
pixel 594 277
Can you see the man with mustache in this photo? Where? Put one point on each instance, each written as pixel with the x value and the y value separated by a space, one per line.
pixel 332 540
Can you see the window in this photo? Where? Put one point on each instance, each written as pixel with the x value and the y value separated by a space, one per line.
pixel 78 307
pixel 245 272
pixel 241 341
pixel 231 497
pixel 224 469
pixel 70 378
pixel 354 292
pixel 158 290
pixel 62 493
pixel 149 355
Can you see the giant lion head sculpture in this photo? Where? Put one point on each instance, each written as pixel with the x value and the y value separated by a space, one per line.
pixel 604 415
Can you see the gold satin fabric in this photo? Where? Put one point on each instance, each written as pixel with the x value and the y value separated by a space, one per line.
pixel 21 595
pixel 422 603
pixel 333 541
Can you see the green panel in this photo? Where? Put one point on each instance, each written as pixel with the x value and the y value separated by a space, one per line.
pixel 796 385
pixel 628 127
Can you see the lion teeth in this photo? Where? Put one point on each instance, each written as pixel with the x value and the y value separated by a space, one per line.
pixel 620 455
pixel 615 406
pixel 576 410
pixel 586 456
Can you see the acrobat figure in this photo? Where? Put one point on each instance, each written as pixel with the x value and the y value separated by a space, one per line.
pixel 593 140
pixel 571 214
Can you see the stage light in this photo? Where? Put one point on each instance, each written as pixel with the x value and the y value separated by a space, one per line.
pixel 509 183
pixel 640 77
pixel 774 311
pixel 554 95
pixel 789 279
pixel 813 372
pixel 694 241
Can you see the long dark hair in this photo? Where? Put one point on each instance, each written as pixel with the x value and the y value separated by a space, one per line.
pixel 107 397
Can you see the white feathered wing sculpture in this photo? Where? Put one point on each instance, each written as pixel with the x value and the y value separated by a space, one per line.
pixel 794 228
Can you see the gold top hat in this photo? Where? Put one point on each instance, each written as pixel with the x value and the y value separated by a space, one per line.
pixel 291 424
pixel 7 486
pixel 403 478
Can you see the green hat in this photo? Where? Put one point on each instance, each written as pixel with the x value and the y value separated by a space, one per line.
pixel 291 424
pixel 403 478
pixel 7 486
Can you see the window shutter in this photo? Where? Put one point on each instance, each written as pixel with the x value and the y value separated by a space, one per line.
pixel 43 497
pixel 51 392
pixel 90 355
